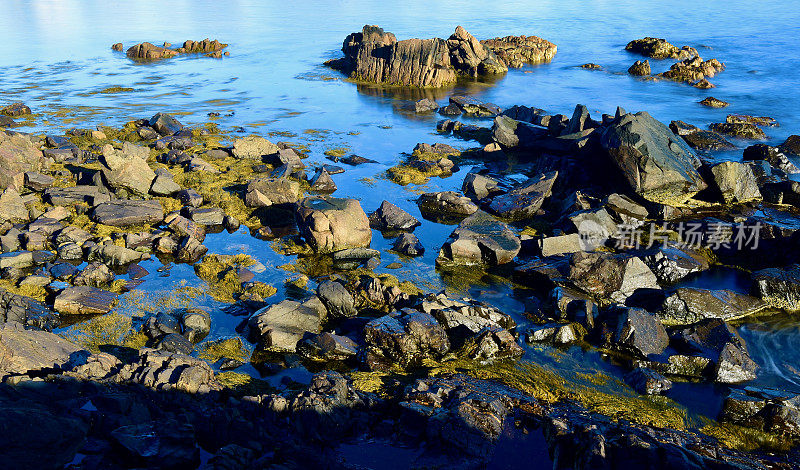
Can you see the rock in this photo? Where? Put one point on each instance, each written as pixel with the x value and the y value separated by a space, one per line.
pixel 173 343
pixel 202 47
pixel 253 147
pixel 446 203
pixel 148 51
pixel 16 259
pixel 117 47
pixel 352 258
pixel 647 381
pixel 736 182
pixel 408 244
pixel 322 182
pixel 190 197
pixel 128 212
pixel 91 195
pixel 639 68
pixel 470 106
pixel 690 305
pixel 190 250
pixel 164 185
pixel 712 102
pixel 510 133
pixel 328 347
pixel 15 109
pixel 405 339
pixel 279 327
pixel 626 208
pixel 184 227
pixel 559 245
pixel 718 341
pixel 480 240
pixel 465 319
pixel 95 274
pixel 525 200
pixel 264 192
pixel 165 124
pixel 791 145
pixel 38 182
pixel 779 287
pixel 391 218
pixel 127 169
pixel 158 444
pixel 672 263
pixel 375 56
pixel 337 299
pixel 694 71
pixel 746 118
pixel 115 255
pixel 84 300
pixel 658 48
pixel 658 166
pixel 425 105
pixel 639 332
pixel 208 216
pixel 742 130
pixel 477 186
pixel 24 351
pixel 18 154
pixel 515 51
pixel 610 276
pixel 773 155
pixel 331 224
pixel 12 207
pixel 164 371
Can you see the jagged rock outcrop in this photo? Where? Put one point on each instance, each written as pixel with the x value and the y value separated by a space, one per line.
pixel 376 56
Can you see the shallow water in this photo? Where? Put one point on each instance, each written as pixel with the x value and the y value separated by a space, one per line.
pixel 58 60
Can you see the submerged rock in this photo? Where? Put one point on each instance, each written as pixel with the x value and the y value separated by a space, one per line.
pixel 375 56
pixel 480 240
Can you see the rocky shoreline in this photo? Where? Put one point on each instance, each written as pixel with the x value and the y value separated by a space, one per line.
pixel 608 216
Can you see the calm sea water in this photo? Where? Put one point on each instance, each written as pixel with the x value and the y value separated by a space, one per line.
pixel 56 57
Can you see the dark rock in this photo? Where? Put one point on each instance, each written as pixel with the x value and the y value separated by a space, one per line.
pixel 352 258
pixel 657 165
pixel 791 145
pixel 773 155
pixel 165 124
pixel 337 299
pixel 689 305
pixel 639 332
pixel 405 338
pixel 779 287
pixel 640 68
pixel 124 213
pixel 328 347
pixel 525 200
pixel 610 276
pixel 477 186
pixel 742 130
pixel 37 181
pixel 672 263
pixel 480 240
pixel 322 182
pixel 281 326
pixel 647 381
pixel 84 300
pixel 190 197
pixel 511 133
pixel 712 102
pixel 446 203
pixel 15 109
pixel 391 218
pixel 408 244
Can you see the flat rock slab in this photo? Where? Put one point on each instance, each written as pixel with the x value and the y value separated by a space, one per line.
pixel 24 350
pixel 125 213
pixel 75 195
pixel 84 300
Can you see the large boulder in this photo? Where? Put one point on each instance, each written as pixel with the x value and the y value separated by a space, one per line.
pixel 658 48
pixel 719 342
pixel 279 327
pixel 18 154
pixel 332 224
pixel 639 332
pixel 12 207
pixel 373 55
pixel 446 205
pixel 127 212
pixel 127 168
pixel 656 163
pixel 148 51
pixel 511 133
pixel 480 239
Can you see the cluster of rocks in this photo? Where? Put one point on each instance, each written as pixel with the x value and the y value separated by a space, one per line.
pixel 149 51
pixel 690 68
pixel 373 55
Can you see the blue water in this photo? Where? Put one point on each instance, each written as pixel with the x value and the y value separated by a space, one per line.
pixel 56 57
